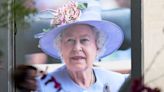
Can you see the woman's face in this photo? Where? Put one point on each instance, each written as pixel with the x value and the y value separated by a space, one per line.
pixel 78 47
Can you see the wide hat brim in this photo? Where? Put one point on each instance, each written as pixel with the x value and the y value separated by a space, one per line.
pixel 114 37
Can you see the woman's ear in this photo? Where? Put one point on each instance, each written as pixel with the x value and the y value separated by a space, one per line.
pixel 97 48
pixel 98 51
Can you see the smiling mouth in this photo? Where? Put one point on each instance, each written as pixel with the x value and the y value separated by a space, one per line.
pixel 77 57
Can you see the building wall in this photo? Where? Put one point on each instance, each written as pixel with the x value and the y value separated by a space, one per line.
pixel 153 42
pixel 3 62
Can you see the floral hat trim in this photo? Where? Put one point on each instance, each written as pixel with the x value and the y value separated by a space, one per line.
pixel 66 14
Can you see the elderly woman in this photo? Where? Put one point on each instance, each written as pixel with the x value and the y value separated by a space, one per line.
pixel 80 40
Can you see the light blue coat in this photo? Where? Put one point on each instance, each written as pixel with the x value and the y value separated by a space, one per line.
pixel 106 81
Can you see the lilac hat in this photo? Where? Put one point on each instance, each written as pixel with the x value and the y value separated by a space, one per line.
pixel 91 16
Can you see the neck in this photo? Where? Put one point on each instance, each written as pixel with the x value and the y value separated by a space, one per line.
pixel 83 78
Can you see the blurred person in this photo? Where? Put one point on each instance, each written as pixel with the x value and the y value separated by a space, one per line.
pixel 24 78
pixel 124 3
pixel 80 38
pixel 36 58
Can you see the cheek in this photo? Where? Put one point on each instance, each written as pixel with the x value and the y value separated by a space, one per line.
pixel 92 53
pixel 65 52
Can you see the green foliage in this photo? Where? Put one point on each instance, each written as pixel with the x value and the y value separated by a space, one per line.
pixel 82 5
pixel 18 11
pixel 46 30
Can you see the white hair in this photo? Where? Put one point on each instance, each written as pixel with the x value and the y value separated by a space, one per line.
pixel 100 41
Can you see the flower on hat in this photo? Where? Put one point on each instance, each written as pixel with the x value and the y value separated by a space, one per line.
pixel 66 14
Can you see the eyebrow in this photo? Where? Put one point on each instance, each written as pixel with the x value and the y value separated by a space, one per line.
pixel 85 35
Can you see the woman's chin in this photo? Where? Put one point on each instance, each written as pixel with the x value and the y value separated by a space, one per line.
pixel 79 68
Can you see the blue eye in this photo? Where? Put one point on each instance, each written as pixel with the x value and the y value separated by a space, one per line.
pixel 70 41
pixel 84 40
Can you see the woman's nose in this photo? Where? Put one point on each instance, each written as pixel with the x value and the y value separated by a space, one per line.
pixel 77 46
